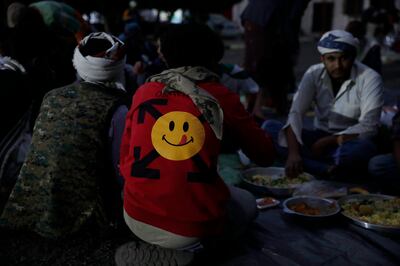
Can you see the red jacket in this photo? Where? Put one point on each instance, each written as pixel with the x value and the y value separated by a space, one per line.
pixel 169 159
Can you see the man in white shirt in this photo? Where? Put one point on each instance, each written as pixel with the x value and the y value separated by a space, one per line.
pixel 347 97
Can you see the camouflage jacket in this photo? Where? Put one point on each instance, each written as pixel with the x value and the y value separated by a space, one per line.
pixel 62 182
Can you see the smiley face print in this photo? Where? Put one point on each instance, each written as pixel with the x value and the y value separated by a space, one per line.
pixel 177 135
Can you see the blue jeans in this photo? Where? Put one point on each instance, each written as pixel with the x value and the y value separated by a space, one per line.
pixel 351 157
pixel 385 173
pixel 384 167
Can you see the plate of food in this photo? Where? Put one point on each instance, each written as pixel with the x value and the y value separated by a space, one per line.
pixel 373 211
pixel 266 202
pixel 272 180
pixel 310 207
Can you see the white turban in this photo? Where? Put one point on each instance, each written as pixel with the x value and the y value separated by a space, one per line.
pixel 337 41
pixel 105 67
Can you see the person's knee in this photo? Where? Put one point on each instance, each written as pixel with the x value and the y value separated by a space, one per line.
pixel 378 164
pixel 245 203
pixel 374 164
pixel 355 151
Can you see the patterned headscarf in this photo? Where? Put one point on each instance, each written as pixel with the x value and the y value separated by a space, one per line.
pixel 106 67
pixel 184 80
pixel 338 41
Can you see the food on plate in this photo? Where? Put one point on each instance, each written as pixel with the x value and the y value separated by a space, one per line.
pixel 304 208
pixel 358 190
pixel 374 211
pixel 266 202
pixel 280 181
pixel 310 206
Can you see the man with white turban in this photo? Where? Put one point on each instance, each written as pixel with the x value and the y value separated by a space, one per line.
pixel 68 177
pixel 347 97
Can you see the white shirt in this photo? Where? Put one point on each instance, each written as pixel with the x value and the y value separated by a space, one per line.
pixel 356 108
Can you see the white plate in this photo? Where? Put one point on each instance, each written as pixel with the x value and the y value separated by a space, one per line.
pixel 270 202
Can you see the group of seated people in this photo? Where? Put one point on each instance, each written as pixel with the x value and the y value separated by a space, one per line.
pixel 161 150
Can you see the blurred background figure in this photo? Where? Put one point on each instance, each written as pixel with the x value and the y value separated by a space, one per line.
pixel 61 17
pixel 238 80
pixel 271 38
pixel 16 100
pixel 96 21
pixel 43 40
pixel 369 49
pixel 380 17
pixel 14 83
pixel 131 14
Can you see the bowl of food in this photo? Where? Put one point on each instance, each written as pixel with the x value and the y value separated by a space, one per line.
pixel 273 181
pixel 310 207
pixel 373 211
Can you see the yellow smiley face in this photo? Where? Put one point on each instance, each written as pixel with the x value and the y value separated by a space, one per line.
pixel 178 136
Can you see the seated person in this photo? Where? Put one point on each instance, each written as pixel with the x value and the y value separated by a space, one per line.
pixel 385 168
pixel 15 83
pixel 173 195
pixel 370 50
pixel 239 81
pixel 68 177
pixel 348 98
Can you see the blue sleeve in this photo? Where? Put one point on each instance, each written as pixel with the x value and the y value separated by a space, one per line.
pixel 115 135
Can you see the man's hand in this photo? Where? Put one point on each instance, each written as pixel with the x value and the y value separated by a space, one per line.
pixel 321 145
pixel 294 165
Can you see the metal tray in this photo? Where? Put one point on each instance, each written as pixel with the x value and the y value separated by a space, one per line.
pixel 276 173
pixel 376 227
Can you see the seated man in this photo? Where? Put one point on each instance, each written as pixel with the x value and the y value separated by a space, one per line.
pixel 385 168
pixel 239 81
pixel 173 195
pixel 68 177
pixel 347 98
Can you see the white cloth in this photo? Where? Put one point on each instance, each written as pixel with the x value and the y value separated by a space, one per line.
pixel 239 85
pixel 7 63
pixel 158 236
pixel 104 70
pixel 337 41
pixel 356 108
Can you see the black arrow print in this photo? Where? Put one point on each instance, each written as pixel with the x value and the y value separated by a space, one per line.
pixel 206 175
pixel 139 167
pixel 148 106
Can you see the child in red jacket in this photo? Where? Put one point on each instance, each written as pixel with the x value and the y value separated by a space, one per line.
pixel 173 196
